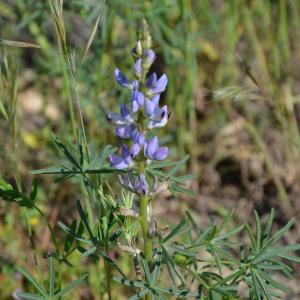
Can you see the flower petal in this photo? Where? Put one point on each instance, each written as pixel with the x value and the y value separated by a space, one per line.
pixel 141 184
pixel 125 114
pixel 124 131
pixel 151 81
pixel 150 57
pixel 117 162
pixel 138 68
pixel 137 100
pixel 160 85
pixel 113 117
pixel 149 107
pixel 138 138
pixel 135 150
pixel 152 147
pixel 125 151
pixel 161 153
pixel 121 79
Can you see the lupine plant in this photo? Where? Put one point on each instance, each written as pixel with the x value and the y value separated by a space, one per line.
pixel 184 261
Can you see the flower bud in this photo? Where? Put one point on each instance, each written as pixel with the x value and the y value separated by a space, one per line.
pixel 138 49
pixel 144 34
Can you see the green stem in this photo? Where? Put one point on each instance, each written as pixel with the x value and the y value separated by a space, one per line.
pixel 53 238
pixel 145 230
pixel 107 268
pixel 145 227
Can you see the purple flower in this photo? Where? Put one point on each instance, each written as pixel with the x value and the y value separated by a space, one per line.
pixel 123 118
pixel 150 57
pixel 123 81
pixel 127 181
pixel 138 140
pixel 141 184
pixel 125 131
pixel 151 81
pixel 138 68
pixel 123 161
pixel 135 184
pixel 158 117
pixel 156 86
pixel 137 100
pixel 153 151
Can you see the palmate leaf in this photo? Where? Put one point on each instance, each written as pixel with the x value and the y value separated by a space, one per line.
pixel 94 240
pixel 75 161
pixel 41 290
pixel 34 282
pixel 264 258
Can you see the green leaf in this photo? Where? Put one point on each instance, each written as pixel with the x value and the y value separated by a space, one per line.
pixel 228 234
pixel 66 152
pixel 177 230
pixel 17 197
pixel 203 237
pixel 70 286
pixel 258 231
pixel 101 158
pixel 156 269
pixel 271 281
pixel 34 187
pixel 4 185
pixel 52 277
pixel 216 257
pixel 70 236
pixel 83 218
pixel 178 165
pixel 251 236
pixel 52 170
pixel 172 269
pixel 29 296
pixel 274 239
pixel 146 270
pixel 140 294
pixel 263 286
pixel 268 227
pixel 89 252
pixel 290 257
pixel 255 285
pixel 182 190
pixel 130 283
pixel 34 282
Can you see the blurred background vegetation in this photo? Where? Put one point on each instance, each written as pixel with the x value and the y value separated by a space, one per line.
pixel 234 93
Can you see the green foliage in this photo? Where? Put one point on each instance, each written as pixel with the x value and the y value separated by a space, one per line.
pixel 210 53
pixel 52 292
